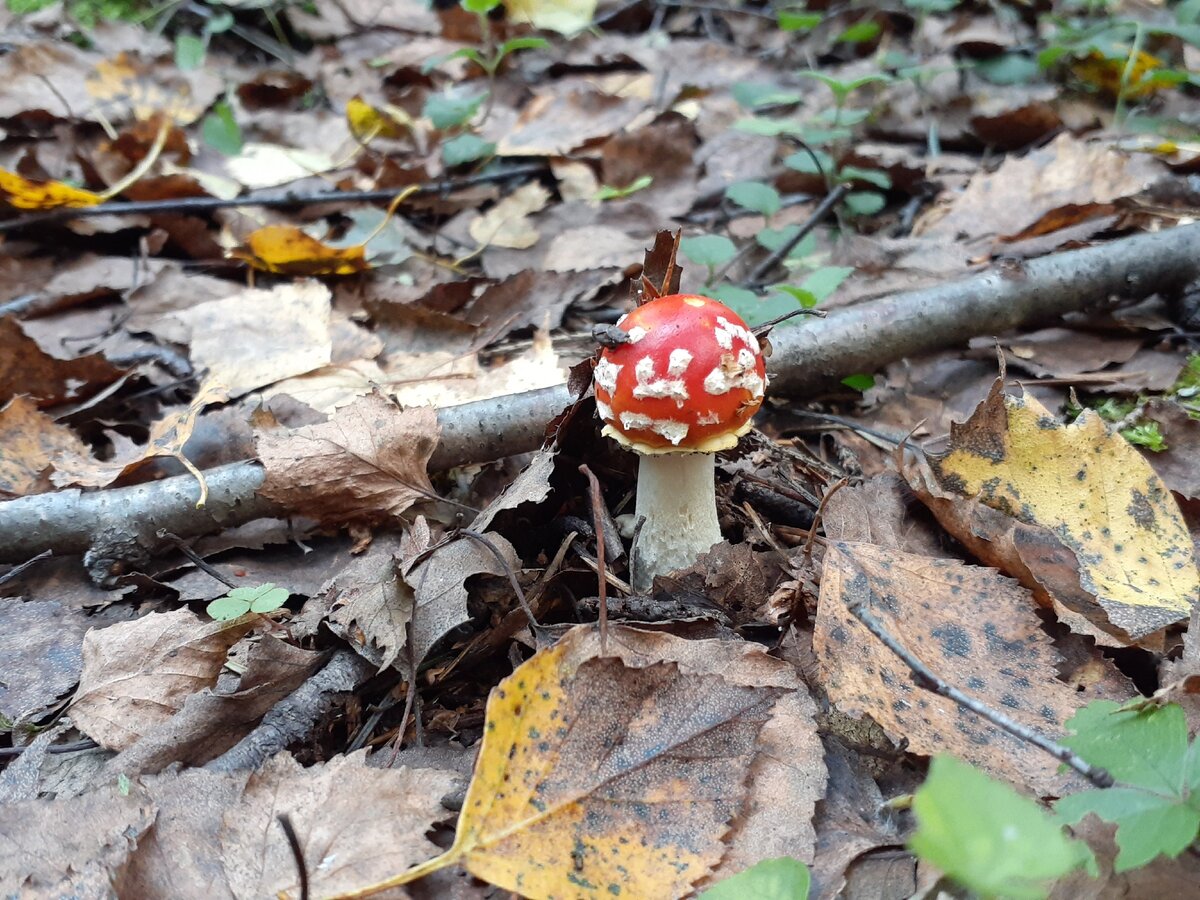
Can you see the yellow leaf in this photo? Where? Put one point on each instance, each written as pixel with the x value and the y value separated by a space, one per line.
pixel 286 250
pixel 22 193
pixel 1090 493
pixel 368 122
pixel 1105 73
pixel 604 780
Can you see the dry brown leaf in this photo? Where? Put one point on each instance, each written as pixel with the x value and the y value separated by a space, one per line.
pixel 255 337
pixel 1176 465
pixel 787 775
pixel 371 603
pixel 167 437
pixel 555 122
pixel 71 847
pixel 1023 189
pixel 138 674
pixel 532 485
pixel 29 442
pixel 507 223
pixel 973 628
pixel 27 369
pixel 40 645
pixel 596 779
pixel 1072 511
pixel 330 806
pixel 440 590
pixel 367 463
pixel 128 87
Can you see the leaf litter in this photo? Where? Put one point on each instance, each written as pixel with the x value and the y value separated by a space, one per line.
pixel 751 714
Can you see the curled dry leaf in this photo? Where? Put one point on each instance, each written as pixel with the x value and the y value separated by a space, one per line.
pixel 29 441
pixel 973 628
pixel 167 437
pixel 372 605
pixel 367 463
pixel 596 779
pixel 138 674
pixel 1073 512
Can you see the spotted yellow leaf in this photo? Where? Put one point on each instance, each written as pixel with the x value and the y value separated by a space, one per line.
pixel 22 193
pixel 600 780
pixel 1089 523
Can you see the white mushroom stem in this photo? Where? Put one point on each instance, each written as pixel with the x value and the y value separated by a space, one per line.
pixel 676 494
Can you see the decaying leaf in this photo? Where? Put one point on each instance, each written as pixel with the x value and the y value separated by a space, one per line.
pixel 29 441
pixel 507 223
pixel 603 780
pixel 40 645
pixel 138 674
pixel 21 193
pixel 974 628
pixel 439 586
pixel 373 604
pixel 255 337
pixel 71 847
pixel 1073 512
pixel 167 437
pixel 25 368
pixel 286 250
pixel 366 463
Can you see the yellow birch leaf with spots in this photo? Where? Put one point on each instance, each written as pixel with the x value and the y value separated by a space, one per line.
pixel 286 250
pixel 1073 511
pixel 603 780
pixel 22 193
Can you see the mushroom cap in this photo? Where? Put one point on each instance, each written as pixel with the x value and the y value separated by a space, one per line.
pixel 688 380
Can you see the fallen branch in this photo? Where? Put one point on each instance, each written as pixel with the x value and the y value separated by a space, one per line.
pixel 266 200
pixel 121 524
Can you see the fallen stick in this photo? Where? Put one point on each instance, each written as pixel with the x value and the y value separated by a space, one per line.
pixel 122 523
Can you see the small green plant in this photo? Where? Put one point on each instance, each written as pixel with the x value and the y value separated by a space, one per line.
pixel 220 129
pixel 1156 802
pixel 266 598
pixel 987 837
pixel 1145 434
pixel 609 192
pixel 191 48
pixel 772 879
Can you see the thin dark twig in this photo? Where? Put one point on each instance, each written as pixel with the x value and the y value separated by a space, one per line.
pixel 508 570
pixel 17 571
pixel 816 523
pixel 760 330
pixel 277 200
pixel 196 559
pixel 925 679
pixel 289 831
pixel 598 524
pixel 764 268
pixel 72 747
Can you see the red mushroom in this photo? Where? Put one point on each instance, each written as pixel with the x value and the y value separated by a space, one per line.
pixel 683 386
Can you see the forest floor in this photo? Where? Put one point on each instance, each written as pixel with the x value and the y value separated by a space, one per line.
pixel 299 567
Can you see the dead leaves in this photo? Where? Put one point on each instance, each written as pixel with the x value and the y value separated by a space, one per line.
pixel 1072 511
pixel 598 779
pixel 30 441
pixel 138 674
pixel 366 463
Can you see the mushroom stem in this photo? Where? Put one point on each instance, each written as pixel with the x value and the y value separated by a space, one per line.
pixel 676 495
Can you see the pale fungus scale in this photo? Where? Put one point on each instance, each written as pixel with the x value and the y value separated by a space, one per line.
pixel 683 386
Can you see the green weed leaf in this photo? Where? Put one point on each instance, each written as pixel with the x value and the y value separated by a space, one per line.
pixel 772 879
pixel 465 148
pixel 710 250
pixel 755 196
pixel 450 109
pixel 220 130
pixel 1156 806
pixel 986 836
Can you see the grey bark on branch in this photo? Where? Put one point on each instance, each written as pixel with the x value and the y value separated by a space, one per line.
pixel 122 523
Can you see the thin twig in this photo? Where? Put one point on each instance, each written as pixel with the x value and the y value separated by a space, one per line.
pixel 270 201
pixel 598 524
pixel 508 570
pixel 72 747
pixel 760 330
pixel 17 571
pixel 816 522
pixel 925 679
pixel 289 831
pixel 196 559
pixel 764 268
